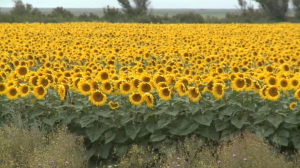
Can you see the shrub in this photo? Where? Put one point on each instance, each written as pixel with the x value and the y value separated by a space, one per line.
pixel 23 148
pixel 246 150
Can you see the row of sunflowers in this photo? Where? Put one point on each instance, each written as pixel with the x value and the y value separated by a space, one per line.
pixel 99 59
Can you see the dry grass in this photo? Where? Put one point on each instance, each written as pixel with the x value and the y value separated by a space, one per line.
pixel 245 151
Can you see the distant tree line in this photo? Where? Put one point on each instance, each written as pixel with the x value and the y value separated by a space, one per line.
pixel 138 11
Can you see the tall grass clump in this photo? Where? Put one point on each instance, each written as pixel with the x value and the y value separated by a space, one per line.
pixel 246 151
pixel 24 147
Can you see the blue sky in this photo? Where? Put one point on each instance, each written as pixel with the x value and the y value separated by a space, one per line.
pixel 155 3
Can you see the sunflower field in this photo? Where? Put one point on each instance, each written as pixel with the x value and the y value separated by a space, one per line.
pixel 119 84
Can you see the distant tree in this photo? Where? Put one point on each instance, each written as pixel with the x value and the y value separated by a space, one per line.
pixel 61 12
pixel 276 9
pixel 139 8
pixel 243 5
pixel 111 14
pixel 21 9
pixel 296 4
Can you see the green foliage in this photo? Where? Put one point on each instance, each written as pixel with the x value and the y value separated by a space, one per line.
pixel 139 8
pixel 296 4
pixel 276 9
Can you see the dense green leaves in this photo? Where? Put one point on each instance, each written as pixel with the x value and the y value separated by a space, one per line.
pixel 275 119
pixel 204 119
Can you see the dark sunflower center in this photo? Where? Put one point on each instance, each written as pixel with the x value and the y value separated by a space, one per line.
pixel 149 99
pixel 41 91
pixel 293 105
pixel 259 64
pixel 107 86
pixel 114 104
pixel 86 87
pixel 13 92
pixel 34 80
pixel 23 71
pixel 240 83
pixel 194 94
pixel 126 87
pixel 270 69
pixel 273 92
pixel 137 97
pixel 146 79
pixel 295 83
pixel 182 88
pixel 2 87
pixel 24 89
pixel 220 70
pixel 236 69
pixel 283 83
pixel 136 83
pixel 98 97
pixel 257 86
pixel 95 86
pixel 219 90
pixel 160 79
pixel 286 68
pixel 44 82
pixel 146 87
pixel 272 81
pixel 104 76
pixel 166 92
pixel 249 82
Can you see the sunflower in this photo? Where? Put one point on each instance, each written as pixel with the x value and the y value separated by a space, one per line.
pixel 3 88
pixel 145 87
pixel 135 84
pixel 249 84
pixel 161 85
pixel 97 98
pixel 181 89
pixel 103 75
pixel 85 88
pixel 148 97
pixel 271 80
pixel 158 78
pixel 256 86
pixel 239 84
pixel 125 88
pixel 218 90
pixel 284 84
pixel 136 99
pixel 75 83
pixel 62 92
pixel 33 80
pixel 106 87
pixel 24 90
pixel 262 92
pixel 297 95
pixel 294 83
pixel 113 105
pixel 272 93
pixel 145 78
pixel 194 94
pixel 12 93
pixel 22 71
pixel 293 105
pixel 39 92
pixel 165 93
pixel 42 80
pixel 94 84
